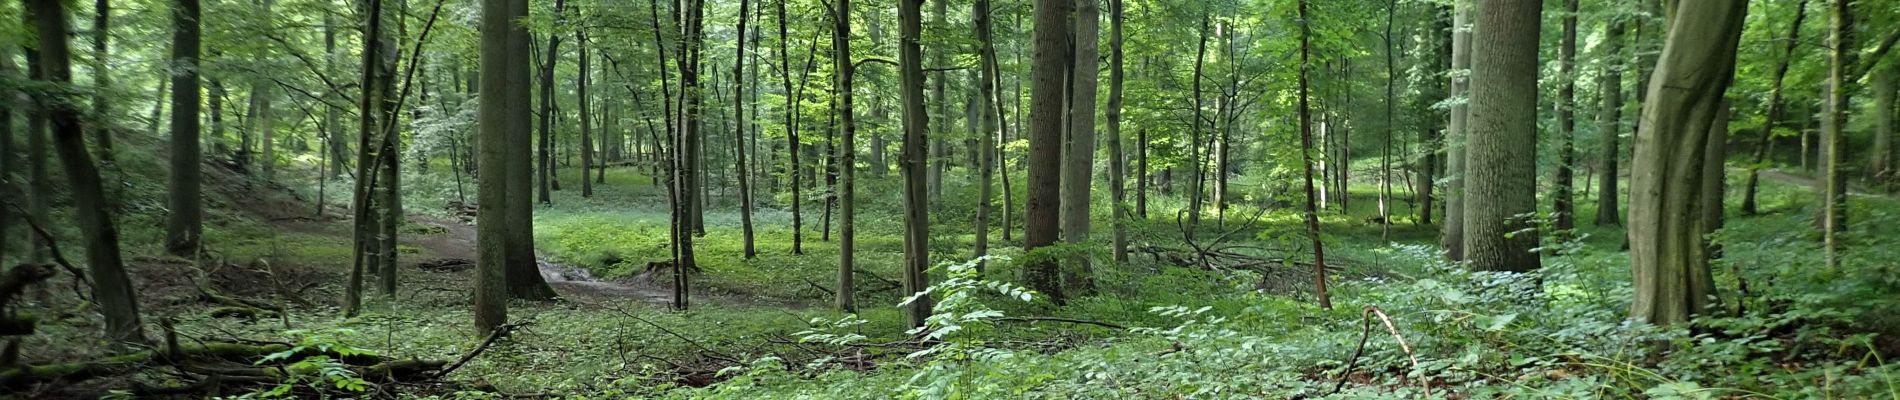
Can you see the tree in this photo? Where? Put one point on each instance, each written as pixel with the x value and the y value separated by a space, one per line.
pixel 847 185
pixel 1040 207
pixel 1775 109
pixel 1667 235
pixel 101 80
pixel 1117 164
pixel 1306 157
pixel 1079 162
pixel 686 160
pixel 990 105
pixel 1610 124
pixel 184 228
pixel 1881 164
pixel 1834 194
pixel 587 114
pixel 738 115
pixel 504 131
pixel 791 128
pixel 1500 173
pixel 1563 202
pixel 545 149
pixel 916 195
pixel 112 287
pixel 1451 234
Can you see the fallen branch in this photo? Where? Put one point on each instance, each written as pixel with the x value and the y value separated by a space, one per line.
pixel 1064 320
pixel 1366 333
pixel 500 332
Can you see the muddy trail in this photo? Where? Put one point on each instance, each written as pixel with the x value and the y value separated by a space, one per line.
pixel 573 283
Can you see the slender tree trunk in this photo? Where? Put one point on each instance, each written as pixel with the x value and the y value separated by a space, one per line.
pixel 687 158
pixel 1142 175
pixel 184 228
pixel 1563 202
pixel 368 111
pixel 1667 233
pixel 1610 126
pixel 101 81
pixel 939 151
pixel 587 115
pixel 1451 234
pixel 39 178
pixel 1881 164
pixel 546 147
pixel 847 185
pixel 1117 164
pixel 1433 139
pixel 8 150
pixel 1391 111
pixel 1041 212
pixel 1501 173
pixel 111 288
pixel 791 130
pixel 1306 155
pixel 988 104
pixel 388 154
pixel 740 123
pixel 916 212
pixel 1834 200
pixel 1195 160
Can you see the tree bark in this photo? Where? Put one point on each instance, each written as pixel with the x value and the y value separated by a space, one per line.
pixel 1306 156
pixel 847 184
pixel 111 287
pixel 989 105
pixel 1080 160
pixel 1451 234
pixel 545 150
pixel 1117 164
pixel 1500 170
pixel 1610 126
pixel 1834 196
pixel 504 132
pixel 740 123
pixel 184 228
pixel 1667 233
pixel 1563 202
pixel 916 195
pixel 587 114
pixel 1040 210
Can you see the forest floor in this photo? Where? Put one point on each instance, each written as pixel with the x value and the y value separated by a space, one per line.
pixel 1173 329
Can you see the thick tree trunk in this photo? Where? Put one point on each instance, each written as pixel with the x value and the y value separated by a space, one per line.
pixel 112 288
pixel 1500 169
pixel 1451 234
pixel 1040 209
pixel 504 132
pixel 1078 165
pixel 184 228
pixel 1667 233
pixel 916 211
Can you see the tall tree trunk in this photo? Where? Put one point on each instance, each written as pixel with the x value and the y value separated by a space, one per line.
pixel 101 81
pixel 1880 167
pixel 989 105
pixel 1610 125
pixel 504 132
pixel 388 153
pixel 545 168
pixel 1117 164
pixel 1667 241
pixel 688 159
pixel 939 151
pixel 1306 155
pixel 1451 234
pixel 740 124
pixel 791 129
pixel 1500 172
pixel 1391 111
pixel 1563 202
pixel 8 150
pixel 1040 209
pixel 1834 197
pixel 1080 160
pixel 363 241
pixel 587 114
pixel 184 228
pixel 1432 141
pixel 1196 163
pixel 111 287
pixel 847 185
pixel 916 211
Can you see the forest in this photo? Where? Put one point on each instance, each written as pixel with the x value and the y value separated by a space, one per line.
pixel 949 199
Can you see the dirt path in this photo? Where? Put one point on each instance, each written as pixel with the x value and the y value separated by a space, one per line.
pixel 571 282
pixel 1800 180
